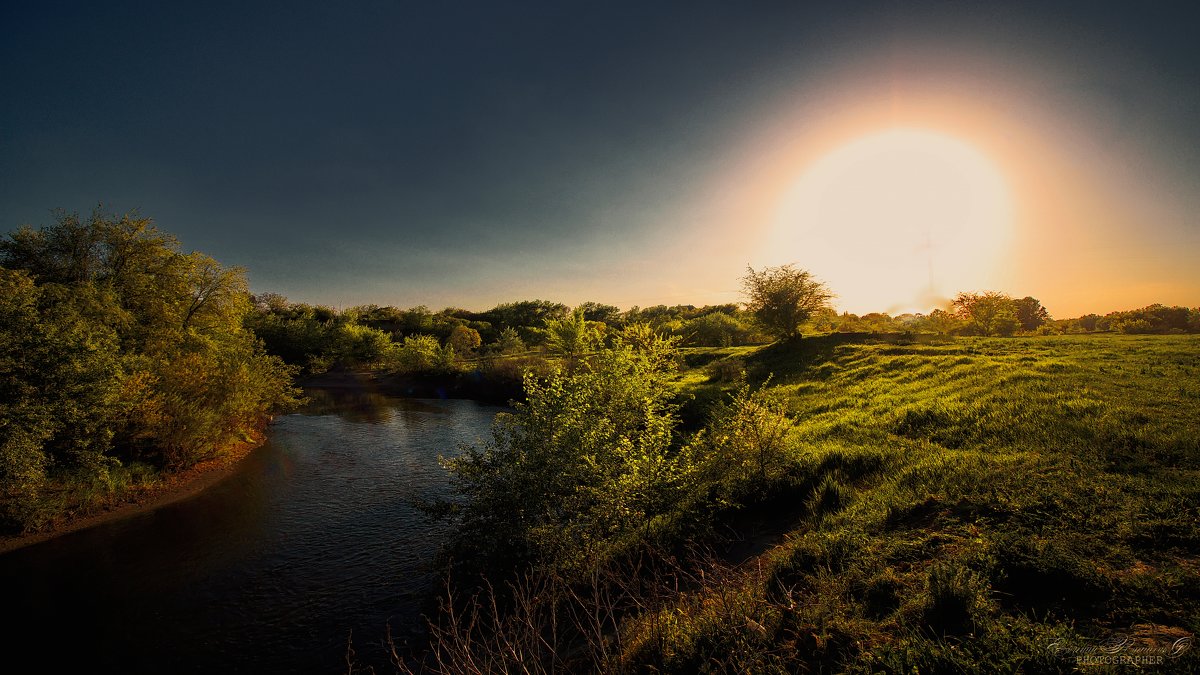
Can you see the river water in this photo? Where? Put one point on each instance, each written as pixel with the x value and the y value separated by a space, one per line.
pixel 271 570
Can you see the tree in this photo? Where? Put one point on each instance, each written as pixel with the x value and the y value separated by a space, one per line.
pixel 464 340
pixel 715 329
pixel 423 354
pixel 573 335
pixel 988 313
pixel 510 342
pixel 117 346
pixel 942 322
pixel 1030 313
pixel 782 298
pixel 595 311
pixel 59 377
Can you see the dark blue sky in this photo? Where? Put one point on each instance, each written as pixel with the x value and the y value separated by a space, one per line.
pixel 472 152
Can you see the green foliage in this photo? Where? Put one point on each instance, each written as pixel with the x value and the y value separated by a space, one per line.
pixel 526 317
pixel 1132 326
pixel 716 329
pixel 745 439
pixel 940 505
pixel 601 313
pixel 584 460
pixel 782 298
pixel 423 354
pixel 1030 313
pixel 942 322
pixel 510 342
pixel 464 340
pixel 118 347
pixel 987 314
pixel 572 335
pixel 361 345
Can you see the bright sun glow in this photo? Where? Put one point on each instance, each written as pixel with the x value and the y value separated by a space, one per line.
pixel 896 221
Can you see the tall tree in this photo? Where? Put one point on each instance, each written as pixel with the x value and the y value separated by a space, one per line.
pixel 1030 313
pixel 464 340
pixel 572 335
pixel 783 297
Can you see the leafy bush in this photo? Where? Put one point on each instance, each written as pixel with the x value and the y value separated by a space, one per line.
pixel 746 437
pixel 423 354
pixel 585 459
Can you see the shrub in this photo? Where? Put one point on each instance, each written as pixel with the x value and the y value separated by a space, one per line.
pixel 584 460
pixel 746 437
pixel 423 354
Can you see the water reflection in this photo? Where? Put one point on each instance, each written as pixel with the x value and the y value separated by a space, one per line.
pixel 312 537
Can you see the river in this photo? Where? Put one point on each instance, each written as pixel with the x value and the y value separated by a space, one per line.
pixel 311 538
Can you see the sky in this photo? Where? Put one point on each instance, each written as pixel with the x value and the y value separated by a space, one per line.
pixel 471 153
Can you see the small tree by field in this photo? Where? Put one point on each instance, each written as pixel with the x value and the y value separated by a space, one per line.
pixel 988 313
pixel 781 298
pixel 573 335
pixel 1030 313
pixel 509 342
pixel 464 340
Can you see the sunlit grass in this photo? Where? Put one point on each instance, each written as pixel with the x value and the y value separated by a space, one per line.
pixel 962 506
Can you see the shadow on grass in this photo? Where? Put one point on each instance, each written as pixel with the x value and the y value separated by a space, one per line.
pixel 792 359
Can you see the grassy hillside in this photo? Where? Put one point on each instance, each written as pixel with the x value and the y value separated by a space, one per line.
pixel 956 507
pixel 876 503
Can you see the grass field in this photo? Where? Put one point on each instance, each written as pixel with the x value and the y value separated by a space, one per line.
pixel 892 503
pixel 965 505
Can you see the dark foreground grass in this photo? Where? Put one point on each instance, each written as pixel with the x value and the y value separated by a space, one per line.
pixel 982 505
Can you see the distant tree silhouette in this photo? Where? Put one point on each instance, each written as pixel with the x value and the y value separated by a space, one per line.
pixel 988 313
pixel 464 340
pixel 783 297
pixel 1030 313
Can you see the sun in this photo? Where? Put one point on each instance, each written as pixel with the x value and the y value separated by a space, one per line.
pixel 897 220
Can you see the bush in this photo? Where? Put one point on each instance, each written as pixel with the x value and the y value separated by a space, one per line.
pixel 583 461
pixel 745 438
pixel 423 354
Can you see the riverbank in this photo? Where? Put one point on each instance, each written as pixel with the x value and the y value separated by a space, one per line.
pixel 142 498
pixel 176 487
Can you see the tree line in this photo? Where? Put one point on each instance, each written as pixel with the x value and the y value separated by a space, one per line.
pixel 121 357
pixel 781 303
pixel 418 340
pixel 786 301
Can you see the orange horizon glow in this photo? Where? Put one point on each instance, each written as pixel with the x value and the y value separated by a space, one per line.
pixel 1083 227
pixel 897 220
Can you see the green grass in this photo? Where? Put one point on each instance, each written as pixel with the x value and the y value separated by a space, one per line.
pixel 960 506
pixel 940 505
